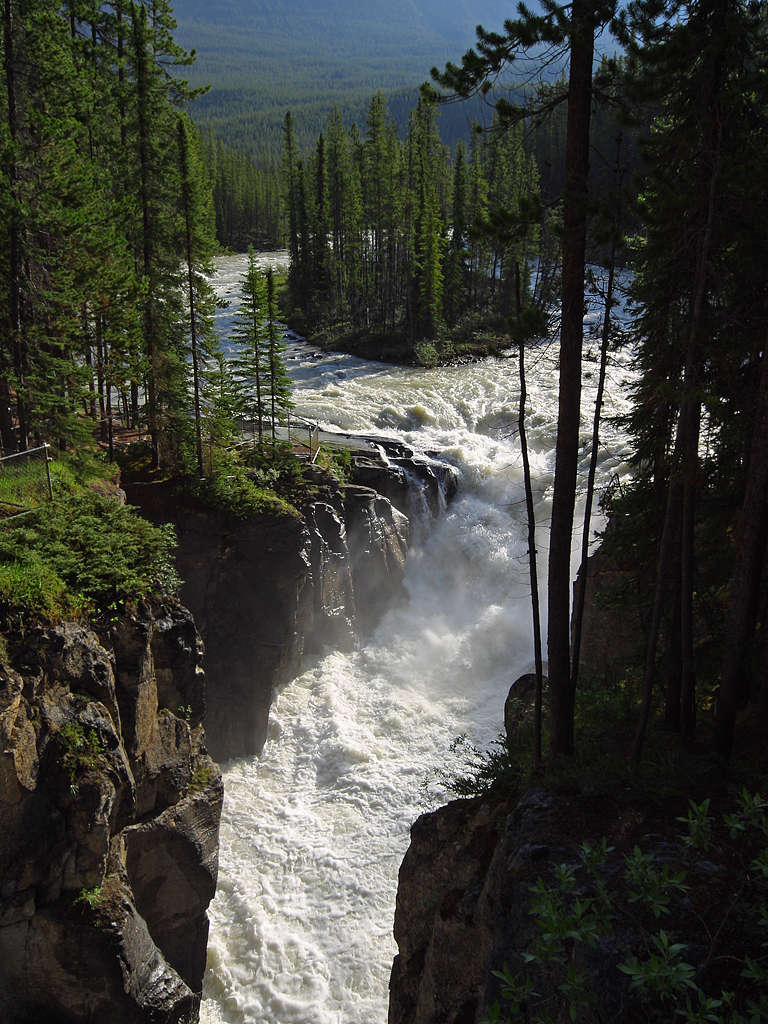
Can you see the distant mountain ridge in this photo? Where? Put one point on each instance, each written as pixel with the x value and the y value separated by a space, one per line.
pixel 263 57
pixel 451 20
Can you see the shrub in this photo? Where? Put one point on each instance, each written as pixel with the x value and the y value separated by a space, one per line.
pixel 337 461
pixel 425 354
pixel 81 750
pixel 91 898
pixel 584 903
pixel 88 553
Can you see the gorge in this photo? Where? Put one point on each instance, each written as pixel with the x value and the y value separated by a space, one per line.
pixel 314 830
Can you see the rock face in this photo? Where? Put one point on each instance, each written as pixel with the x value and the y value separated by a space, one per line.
pixel 264 592
pixel 463 907
pixel 109 814
pixel 415 484
pixel 378 547
pixel 613 634
pixel 519 707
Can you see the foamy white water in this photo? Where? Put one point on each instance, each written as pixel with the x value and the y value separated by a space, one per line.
pixel 314 830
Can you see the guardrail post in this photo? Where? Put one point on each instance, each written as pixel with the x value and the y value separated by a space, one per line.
pixel 48 471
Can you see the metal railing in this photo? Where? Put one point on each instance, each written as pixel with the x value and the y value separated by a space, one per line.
pixel 304 433
pixel 18 481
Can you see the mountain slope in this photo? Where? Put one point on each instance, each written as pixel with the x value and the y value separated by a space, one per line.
pixel 263 57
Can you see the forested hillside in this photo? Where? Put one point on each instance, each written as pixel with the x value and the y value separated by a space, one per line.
pixel 263 56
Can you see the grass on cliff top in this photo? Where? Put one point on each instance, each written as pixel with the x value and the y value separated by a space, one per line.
pixel 240 481
pixel 24 483
pixel 81 554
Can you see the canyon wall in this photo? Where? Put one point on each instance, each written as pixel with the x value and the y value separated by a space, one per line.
pixel 266 591
pixel 109 814
pixel 464 897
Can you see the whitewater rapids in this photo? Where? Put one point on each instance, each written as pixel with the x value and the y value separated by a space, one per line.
pixel 313 830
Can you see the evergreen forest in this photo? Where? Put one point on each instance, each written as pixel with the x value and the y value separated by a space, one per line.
pixel 639 149
pixel 113 205
pixel 108 231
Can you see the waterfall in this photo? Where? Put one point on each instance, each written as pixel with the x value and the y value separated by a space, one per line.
pixel 314 829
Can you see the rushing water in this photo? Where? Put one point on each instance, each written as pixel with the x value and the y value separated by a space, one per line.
pixel 313 830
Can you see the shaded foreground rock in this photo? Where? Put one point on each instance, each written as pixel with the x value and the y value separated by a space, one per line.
pixel 109 812
pixel 463 907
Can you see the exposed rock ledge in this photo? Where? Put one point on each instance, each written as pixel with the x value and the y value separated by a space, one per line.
pixel 109 814
pixel 265 592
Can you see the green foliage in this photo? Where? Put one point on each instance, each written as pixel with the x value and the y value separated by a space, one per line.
pixel 23 484
pixel 337 461
pixel 650 886
pixel 82 750
pixel 584 903
pixel 231 488
pixel 201 776
pixel 425 354
pixel 699 824
pixel 498 765
pixel 88 551
pixel 91 898
pixel 30 587
pixel 392 249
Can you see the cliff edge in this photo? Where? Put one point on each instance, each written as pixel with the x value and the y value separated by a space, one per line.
pixel 109 814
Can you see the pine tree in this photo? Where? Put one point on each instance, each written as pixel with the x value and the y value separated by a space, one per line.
pixel 573 25
pixel 707 55
pixel 250 337
pixel 199 244
pixel 457 276
pixel 426 178
pixel 278 383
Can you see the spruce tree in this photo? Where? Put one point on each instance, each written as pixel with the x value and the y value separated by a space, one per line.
pixel 199 244
pixel 573 25
pixel 250 337
pixel 278 383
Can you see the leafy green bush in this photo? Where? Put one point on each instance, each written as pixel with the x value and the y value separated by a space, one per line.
pixel 88 552
pixel 337 461
pixel 234 492
pixel 81 750
pixel 585 903
pixel 425 354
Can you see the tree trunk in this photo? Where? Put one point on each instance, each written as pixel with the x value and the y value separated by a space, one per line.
pixel 673 668
pixel 745 582
pixel 187 199
pixel 687 568
pixel 10 442
pixel 581 580
pixel 142 111
pixel 571 336
pixel 531 518
pixel 680 506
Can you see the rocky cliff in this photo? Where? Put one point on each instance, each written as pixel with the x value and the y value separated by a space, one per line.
pixel 465 898
pixel 109 813
pixel 264 592
pixel 464 904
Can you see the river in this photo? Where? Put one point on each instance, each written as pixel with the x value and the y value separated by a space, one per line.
pixel 313 831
